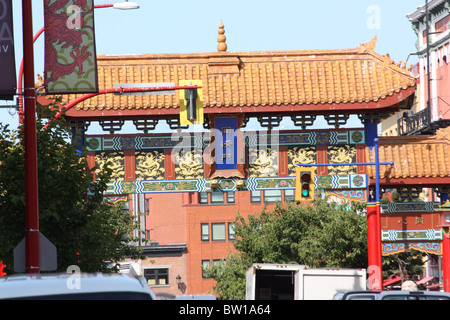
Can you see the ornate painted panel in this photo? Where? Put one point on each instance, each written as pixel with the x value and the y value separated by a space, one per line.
pixel 341 154
pixel 150 165
pixel 352 181
pixel 117 164
pixel 406 225
pixel 142 143
pixel 359 195
pixel 389 248
pixel 188 164
pixel 269 157
pixel 300 154
pixel 251 139
pixel 310 138
pixel 226 184
pixel 263 162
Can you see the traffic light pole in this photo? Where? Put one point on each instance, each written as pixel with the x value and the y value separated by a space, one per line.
pixel 373 219
pixel 120 91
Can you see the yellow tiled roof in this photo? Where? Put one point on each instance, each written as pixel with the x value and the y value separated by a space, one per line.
pixel 254 79
pixel 414 156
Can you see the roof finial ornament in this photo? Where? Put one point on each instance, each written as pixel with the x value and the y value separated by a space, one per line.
pixel 368 46
pixel 221 39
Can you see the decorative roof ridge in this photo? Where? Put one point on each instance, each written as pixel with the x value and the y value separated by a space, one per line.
pixel 216 54
pixel 399 67
pixel 443 134
pixel 369 48
pixel 247 52
pixel 222 53
pixel 316 54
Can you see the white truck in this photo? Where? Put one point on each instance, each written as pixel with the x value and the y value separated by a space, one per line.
pixel 266 281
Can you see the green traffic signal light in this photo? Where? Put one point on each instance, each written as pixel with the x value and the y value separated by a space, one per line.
pixel 305 178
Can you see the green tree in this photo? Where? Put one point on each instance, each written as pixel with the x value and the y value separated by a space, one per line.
pixel 229 275
pixel 325 234
pixel 86 230
pixel 407 265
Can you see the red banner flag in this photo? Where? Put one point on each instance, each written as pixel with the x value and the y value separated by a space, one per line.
pixel 8 80
pixel 70 54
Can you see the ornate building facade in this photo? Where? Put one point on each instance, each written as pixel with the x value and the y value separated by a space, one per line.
pixel 186 186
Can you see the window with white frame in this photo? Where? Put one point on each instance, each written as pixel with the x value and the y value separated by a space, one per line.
pixel 205 231
pixel 218 231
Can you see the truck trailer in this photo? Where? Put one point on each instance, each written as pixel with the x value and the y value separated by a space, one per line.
pixel 267 281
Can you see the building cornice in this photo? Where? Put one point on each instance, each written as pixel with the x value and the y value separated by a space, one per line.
pixel 420 12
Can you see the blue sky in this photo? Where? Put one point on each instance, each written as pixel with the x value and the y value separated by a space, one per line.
pixel 191 26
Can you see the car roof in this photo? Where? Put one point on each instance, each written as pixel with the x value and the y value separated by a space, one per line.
pixel 415 293
pixel 38 285
pixel 384 293
pixel 360 292
pixel 197 297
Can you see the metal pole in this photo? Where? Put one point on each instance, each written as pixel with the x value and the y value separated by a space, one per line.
pixel 427 21
pixel 377 206
pixel 445 260
pixel 31 169
pixel 119 91
pixel 391 163
pixel 20 81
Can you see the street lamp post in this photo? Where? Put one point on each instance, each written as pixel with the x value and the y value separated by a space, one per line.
pixel 31 178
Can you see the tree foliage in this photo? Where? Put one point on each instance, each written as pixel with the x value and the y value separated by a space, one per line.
pixel 324 234
pixel 73 215
pixel 408 265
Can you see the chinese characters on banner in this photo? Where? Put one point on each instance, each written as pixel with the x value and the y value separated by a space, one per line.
pixel 70 54
pixel 226 143
pixel 8 80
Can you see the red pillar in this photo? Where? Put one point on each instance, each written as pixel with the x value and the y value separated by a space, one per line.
pixel 379 243
pixel 374 246
pixel 446 259
pixel 31 170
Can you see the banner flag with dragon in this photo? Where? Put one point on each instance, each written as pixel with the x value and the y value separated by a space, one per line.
pixel 70 54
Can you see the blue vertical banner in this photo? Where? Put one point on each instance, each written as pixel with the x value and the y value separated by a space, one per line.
pixel 226 143
pixel 371 130
pixel 8 80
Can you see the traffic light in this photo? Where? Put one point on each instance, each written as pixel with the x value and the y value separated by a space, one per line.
pixel 305 184
pixel 191 103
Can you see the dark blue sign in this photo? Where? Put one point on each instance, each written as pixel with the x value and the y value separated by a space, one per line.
pixel 226 143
